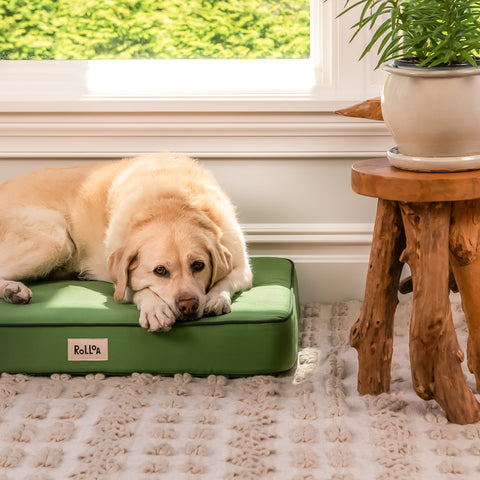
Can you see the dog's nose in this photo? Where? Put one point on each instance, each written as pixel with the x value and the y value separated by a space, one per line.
pixel 187 306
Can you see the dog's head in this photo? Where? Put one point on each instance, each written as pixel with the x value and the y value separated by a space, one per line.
pixel 179 261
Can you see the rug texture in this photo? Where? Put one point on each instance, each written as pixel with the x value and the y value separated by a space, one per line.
pixel 307 424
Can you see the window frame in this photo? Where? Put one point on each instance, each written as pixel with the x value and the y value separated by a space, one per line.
pixel 94 109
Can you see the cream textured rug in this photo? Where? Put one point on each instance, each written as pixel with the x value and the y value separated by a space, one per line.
pixel 309 424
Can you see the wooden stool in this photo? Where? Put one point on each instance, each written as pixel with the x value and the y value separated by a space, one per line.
pixel 432 222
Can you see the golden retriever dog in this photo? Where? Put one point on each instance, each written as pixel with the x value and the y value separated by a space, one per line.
pixel 158 226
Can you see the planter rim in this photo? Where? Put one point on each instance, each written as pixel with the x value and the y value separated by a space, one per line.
pixel 431 72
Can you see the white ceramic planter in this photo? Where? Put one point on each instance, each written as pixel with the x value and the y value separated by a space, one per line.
pixel 434 117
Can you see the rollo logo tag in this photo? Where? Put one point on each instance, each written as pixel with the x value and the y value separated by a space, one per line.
pixel 87 349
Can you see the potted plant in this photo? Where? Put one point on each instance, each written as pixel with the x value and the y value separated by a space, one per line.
pixel 431 97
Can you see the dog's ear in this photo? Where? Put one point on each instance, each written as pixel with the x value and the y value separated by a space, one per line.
pixel 119 264
pixel 221 259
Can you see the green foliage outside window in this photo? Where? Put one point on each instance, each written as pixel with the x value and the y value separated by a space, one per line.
pixel 125 29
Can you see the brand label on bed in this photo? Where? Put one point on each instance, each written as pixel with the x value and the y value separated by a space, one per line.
pixel 87 349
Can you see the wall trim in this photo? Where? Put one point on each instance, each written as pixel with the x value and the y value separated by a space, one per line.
pixel 331 258
pixel 314 243
pixel 317 233
pixel 325 259
pixel 204 135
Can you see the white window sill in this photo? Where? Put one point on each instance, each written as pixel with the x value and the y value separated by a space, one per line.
pixel 172 85
pixel 264 109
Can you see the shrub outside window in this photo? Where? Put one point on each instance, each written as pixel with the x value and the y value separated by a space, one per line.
pixel 152 29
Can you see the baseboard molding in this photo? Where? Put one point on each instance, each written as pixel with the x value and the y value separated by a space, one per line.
pixel 331 259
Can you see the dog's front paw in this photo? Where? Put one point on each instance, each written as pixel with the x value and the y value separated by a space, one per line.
pixel 218 303
pixel 156 318
pixel 17 292
pixel 155 313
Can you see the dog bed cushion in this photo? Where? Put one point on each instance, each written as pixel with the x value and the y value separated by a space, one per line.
pixel 77 327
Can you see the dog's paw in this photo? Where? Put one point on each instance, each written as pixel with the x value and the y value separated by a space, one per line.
pixel 156 318
pixel 218 304
pixel 17 292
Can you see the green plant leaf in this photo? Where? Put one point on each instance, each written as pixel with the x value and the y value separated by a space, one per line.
pixel 434 31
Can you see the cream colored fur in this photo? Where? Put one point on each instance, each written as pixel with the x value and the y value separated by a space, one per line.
pixel 158 226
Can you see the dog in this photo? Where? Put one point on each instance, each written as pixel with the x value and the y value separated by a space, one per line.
pixel 158 227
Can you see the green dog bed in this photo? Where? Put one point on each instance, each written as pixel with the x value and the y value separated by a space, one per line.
pixel 77 327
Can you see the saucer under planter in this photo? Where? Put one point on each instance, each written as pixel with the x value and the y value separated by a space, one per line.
pixel 433 115
pixel 433 164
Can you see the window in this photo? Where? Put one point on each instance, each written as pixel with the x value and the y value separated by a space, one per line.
pixel 152 29
pixel 331 74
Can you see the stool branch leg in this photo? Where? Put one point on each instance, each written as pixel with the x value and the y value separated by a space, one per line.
pixel 435 354
pixel 372 334
pixel 465 262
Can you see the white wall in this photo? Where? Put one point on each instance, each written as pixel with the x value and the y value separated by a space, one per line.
pixel 303 209
pixel 287 172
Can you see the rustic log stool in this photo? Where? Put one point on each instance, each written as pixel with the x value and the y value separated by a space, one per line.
pixel 432 222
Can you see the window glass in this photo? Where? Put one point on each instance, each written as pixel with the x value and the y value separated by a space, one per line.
pixel 154 29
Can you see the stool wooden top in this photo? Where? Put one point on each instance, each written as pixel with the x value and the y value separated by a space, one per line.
pixel 377 178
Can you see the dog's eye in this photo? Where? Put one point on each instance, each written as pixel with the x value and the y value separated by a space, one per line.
pixel 198 266
pixel 161 271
